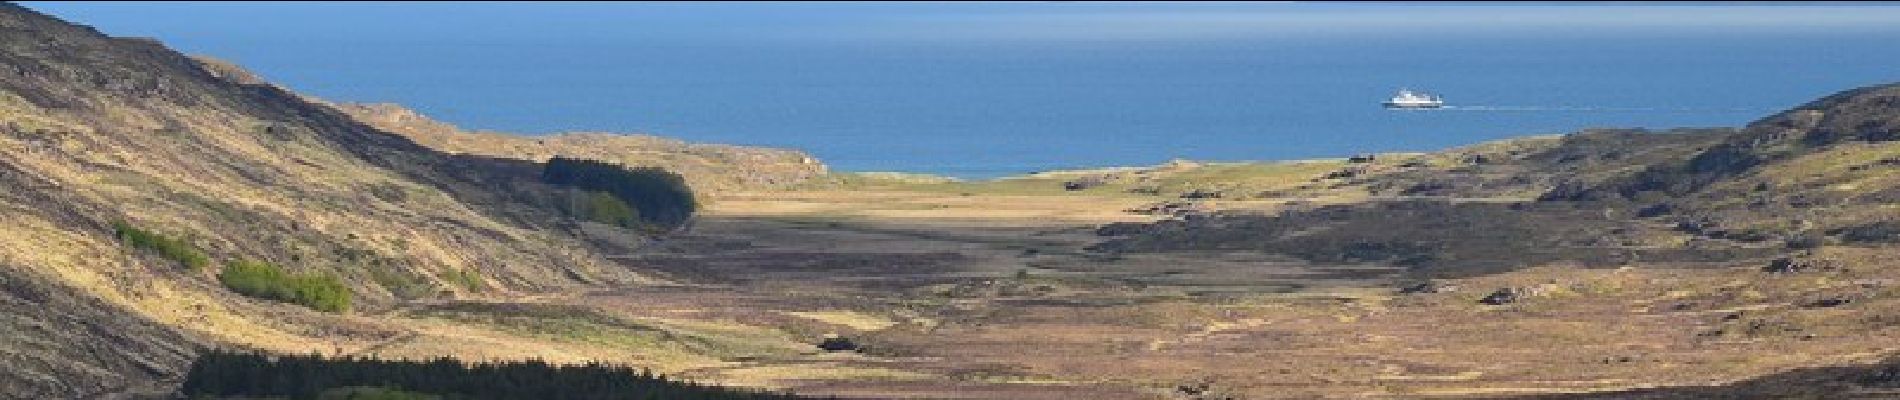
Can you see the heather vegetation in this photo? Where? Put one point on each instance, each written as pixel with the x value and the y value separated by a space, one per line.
pixel 468 279
pixel 170 248
pixel 219 374
pixel 321 292
pixel 1595 262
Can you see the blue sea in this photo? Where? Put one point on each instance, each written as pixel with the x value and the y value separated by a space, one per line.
pixel 979 90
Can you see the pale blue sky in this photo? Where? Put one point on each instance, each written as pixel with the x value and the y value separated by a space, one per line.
pixel 934 21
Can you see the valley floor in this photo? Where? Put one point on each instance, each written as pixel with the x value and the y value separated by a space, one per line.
pixel 977 292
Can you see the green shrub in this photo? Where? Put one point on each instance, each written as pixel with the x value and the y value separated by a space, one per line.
pixel 262 280
pixel 601 207
pixel 172 249
pixel 467 278
pixel 606 208
pixel 255 279
pixel 402 285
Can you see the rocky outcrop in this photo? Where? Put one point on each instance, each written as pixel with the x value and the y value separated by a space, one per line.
pixel 1429 287
pixel 1866 115
pixel 1789 265
pixel 1503 296
pixel 1803 179
pixel 1861 381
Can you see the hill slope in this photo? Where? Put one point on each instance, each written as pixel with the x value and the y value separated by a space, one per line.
pixel 97 131
pixel 1819 174
pixel 708 167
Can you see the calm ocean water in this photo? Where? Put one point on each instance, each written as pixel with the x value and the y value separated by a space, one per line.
pixel 983 90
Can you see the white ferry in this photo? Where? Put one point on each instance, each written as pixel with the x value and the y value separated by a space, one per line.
pixel 1410 99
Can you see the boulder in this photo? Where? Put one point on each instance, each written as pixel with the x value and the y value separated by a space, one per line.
pixel 1345 173
pixel 1656 210
pixel 837 344
pixel 1787 265
pixel 1829 302
pixel 1428 287
pixel 1203 194
pixel 1121 229
pixel 1169 208
pixel 1503 296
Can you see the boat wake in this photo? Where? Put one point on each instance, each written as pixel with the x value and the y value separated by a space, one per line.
pixel 1599 109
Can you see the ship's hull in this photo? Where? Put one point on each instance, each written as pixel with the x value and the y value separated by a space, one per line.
pixel 1413 105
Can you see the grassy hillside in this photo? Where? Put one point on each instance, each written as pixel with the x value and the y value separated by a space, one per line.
pixel 121 161
pixel 708 167
pixel 157 205
pixel 1805 178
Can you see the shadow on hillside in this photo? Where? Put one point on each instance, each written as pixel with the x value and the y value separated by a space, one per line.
pixel 1434 238
pixel 507 190
pixel 1871 381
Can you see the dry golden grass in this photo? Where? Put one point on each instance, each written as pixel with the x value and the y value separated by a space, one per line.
pixel 854 320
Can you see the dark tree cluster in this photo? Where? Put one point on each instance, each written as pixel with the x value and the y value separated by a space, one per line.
pixel 248 375
pixel 658 197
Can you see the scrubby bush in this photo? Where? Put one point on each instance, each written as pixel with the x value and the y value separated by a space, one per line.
pixel 601 207
pixel 468 279
pixel 1876 232
pixel 657 197
pixel 172 249
pixel 321 292
pixel 398 282
pixel 1806 240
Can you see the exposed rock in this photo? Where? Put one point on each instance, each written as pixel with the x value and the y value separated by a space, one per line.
pixel 1430 188
pixel 1805 240
pixel 228 71
pixel 1787 265
pixel 1429 287
pixel 1085 183
pixel 1203 389
pixel 1345 173
pixel 837 344
pixel 1121 229
pixel 1147 190
pixel 1203 194
pixel 1169 208
pixel 1828 302
pixel 1655 210
pixel 1874 232
pixel 1503 296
